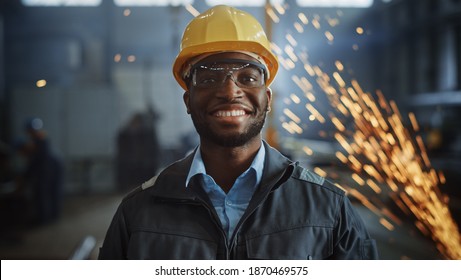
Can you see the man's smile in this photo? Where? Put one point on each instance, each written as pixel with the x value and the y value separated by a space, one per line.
pixel 230 109
pixel 231 113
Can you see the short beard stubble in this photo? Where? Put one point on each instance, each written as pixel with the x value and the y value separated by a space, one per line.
pixel 234 140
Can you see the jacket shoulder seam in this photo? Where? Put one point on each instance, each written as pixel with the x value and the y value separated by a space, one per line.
pixel 144 186
pixel 313 178
pixel 149 183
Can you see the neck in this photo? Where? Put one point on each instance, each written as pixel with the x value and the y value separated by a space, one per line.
pixel 225 164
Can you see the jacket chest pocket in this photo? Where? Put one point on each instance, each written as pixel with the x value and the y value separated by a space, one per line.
pixel 308 242
pixel 169 246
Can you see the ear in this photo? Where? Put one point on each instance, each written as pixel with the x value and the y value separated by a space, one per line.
pixel 186 98
pixel 269 98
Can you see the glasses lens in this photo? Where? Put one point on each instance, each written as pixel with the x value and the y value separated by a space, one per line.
pixel 245 75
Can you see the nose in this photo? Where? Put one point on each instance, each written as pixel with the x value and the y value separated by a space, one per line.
pixel 229 89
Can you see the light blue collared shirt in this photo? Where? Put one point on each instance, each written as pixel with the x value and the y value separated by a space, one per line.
pixel 231 206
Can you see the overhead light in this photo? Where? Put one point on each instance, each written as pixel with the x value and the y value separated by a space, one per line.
pixel 247 3
pixel 40 83
pixel 335 3
pixel 61 2
pixel 161 3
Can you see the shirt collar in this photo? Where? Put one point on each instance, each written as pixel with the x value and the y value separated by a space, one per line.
pixel 198 167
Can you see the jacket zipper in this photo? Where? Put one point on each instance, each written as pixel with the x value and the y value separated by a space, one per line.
pixel 245 217
pixel 218 225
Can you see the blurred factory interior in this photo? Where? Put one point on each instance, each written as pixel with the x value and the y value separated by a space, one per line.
pixel 94 77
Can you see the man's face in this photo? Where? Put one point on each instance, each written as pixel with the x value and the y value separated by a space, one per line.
pixel 227 115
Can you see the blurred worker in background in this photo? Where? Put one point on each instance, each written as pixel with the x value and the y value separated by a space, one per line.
pixel 234 197
pixel 138 152
pixel 43 174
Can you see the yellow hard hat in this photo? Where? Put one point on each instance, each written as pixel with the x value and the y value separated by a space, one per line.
pixel 220 29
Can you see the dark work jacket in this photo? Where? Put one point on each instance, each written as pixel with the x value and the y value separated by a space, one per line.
pixel 294 214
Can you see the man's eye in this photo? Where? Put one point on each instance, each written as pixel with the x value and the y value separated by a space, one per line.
pixel 249 75
pixel 250 79
pixel 247 79
pixel 206 80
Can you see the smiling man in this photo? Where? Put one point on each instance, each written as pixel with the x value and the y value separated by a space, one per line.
pixel 234 197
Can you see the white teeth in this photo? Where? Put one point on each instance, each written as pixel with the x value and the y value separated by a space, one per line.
pixel 233 113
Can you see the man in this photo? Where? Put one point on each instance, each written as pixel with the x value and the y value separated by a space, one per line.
pixel 234 197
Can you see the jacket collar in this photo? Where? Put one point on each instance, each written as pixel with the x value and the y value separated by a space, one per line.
pixel 275 166
pixel 170 182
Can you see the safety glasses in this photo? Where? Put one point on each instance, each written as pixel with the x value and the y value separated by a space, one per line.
pixel 244 73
